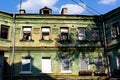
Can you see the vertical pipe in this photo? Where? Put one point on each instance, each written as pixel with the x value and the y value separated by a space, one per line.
pixel 13 47
pixel 20 4
pixel 105 46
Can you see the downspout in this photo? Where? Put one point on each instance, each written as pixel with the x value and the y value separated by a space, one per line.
pixel 13 47
pixel 105 46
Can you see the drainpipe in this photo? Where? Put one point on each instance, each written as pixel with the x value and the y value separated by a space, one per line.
pixel 105 46
pixel 13 47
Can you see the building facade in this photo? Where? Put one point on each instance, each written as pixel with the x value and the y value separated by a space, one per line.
pixel 55 46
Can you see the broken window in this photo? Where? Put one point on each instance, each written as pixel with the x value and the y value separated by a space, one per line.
pixel 115 29
pixel 95 34
pixel 4 32
pixel 45 33
pixel 27 33
pixel 64 35
pixel 81 34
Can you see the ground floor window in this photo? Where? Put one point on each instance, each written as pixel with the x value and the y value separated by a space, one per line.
pixel 26 65
pixel 84 63
pixel 46 65
pixel 99 63
pixel 65 65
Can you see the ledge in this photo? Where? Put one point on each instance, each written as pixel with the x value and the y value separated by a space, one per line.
pixel 26 40
pixel 68 72
pixel 25 72
pixel 46 72
pixel 1 39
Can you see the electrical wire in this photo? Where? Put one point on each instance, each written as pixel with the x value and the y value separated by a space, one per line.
pixel 82 6
pixel 90 7
pixel 90 10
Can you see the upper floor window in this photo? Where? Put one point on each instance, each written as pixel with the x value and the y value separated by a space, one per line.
pixel 95 34
pixel 4 31
pixel 64 33
pixel 26 66
pixel 115 29
pixel 45 33
pixel 81 34
pixel 27 33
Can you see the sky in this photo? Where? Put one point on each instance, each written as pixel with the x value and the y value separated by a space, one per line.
pixel 92 7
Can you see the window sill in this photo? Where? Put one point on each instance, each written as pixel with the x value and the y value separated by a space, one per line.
pixel 46 40
pixel 66 71
pixel 46 72
pixel 25 72
pixel 27 40
pixel 5 40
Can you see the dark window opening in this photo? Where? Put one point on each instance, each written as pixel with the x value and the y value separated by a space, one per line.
pixel 4 32
pixel 95 34
pixel 115 30
pixel 46 12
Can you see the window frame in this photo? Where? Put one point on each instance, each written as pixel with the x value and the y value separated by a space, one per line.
pixel 62 33
pixel 96 30
pixel 96 59
pixel 47 58
pixel 43 33
pixel 86 63
pixel 65 71
pixel 29 32
pixel 115 29
pixel 26 72
pixel 83 34
pixel 4 26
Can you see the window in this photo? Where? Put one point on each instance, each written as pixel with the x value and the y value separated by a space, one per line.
pixel 95 34
pixel 118 62
pixel 27 33
pixel 26 66
pixel 81 34
pixel 45 33
pixel 46 65
pixel 64 35
pixel 84 63
pixel 115 31
pixel 65 63
pixel 99 63
pixel 4 32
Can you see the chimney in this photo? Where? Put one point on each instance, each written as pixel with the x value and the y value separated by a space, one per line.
pixel 22 11
pixel 64 11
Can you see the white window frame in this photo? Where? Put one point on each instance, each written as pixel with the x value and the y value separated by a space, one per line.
pixel 65 71
pixel 87 63
pixel 27 60
pixel 50 69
